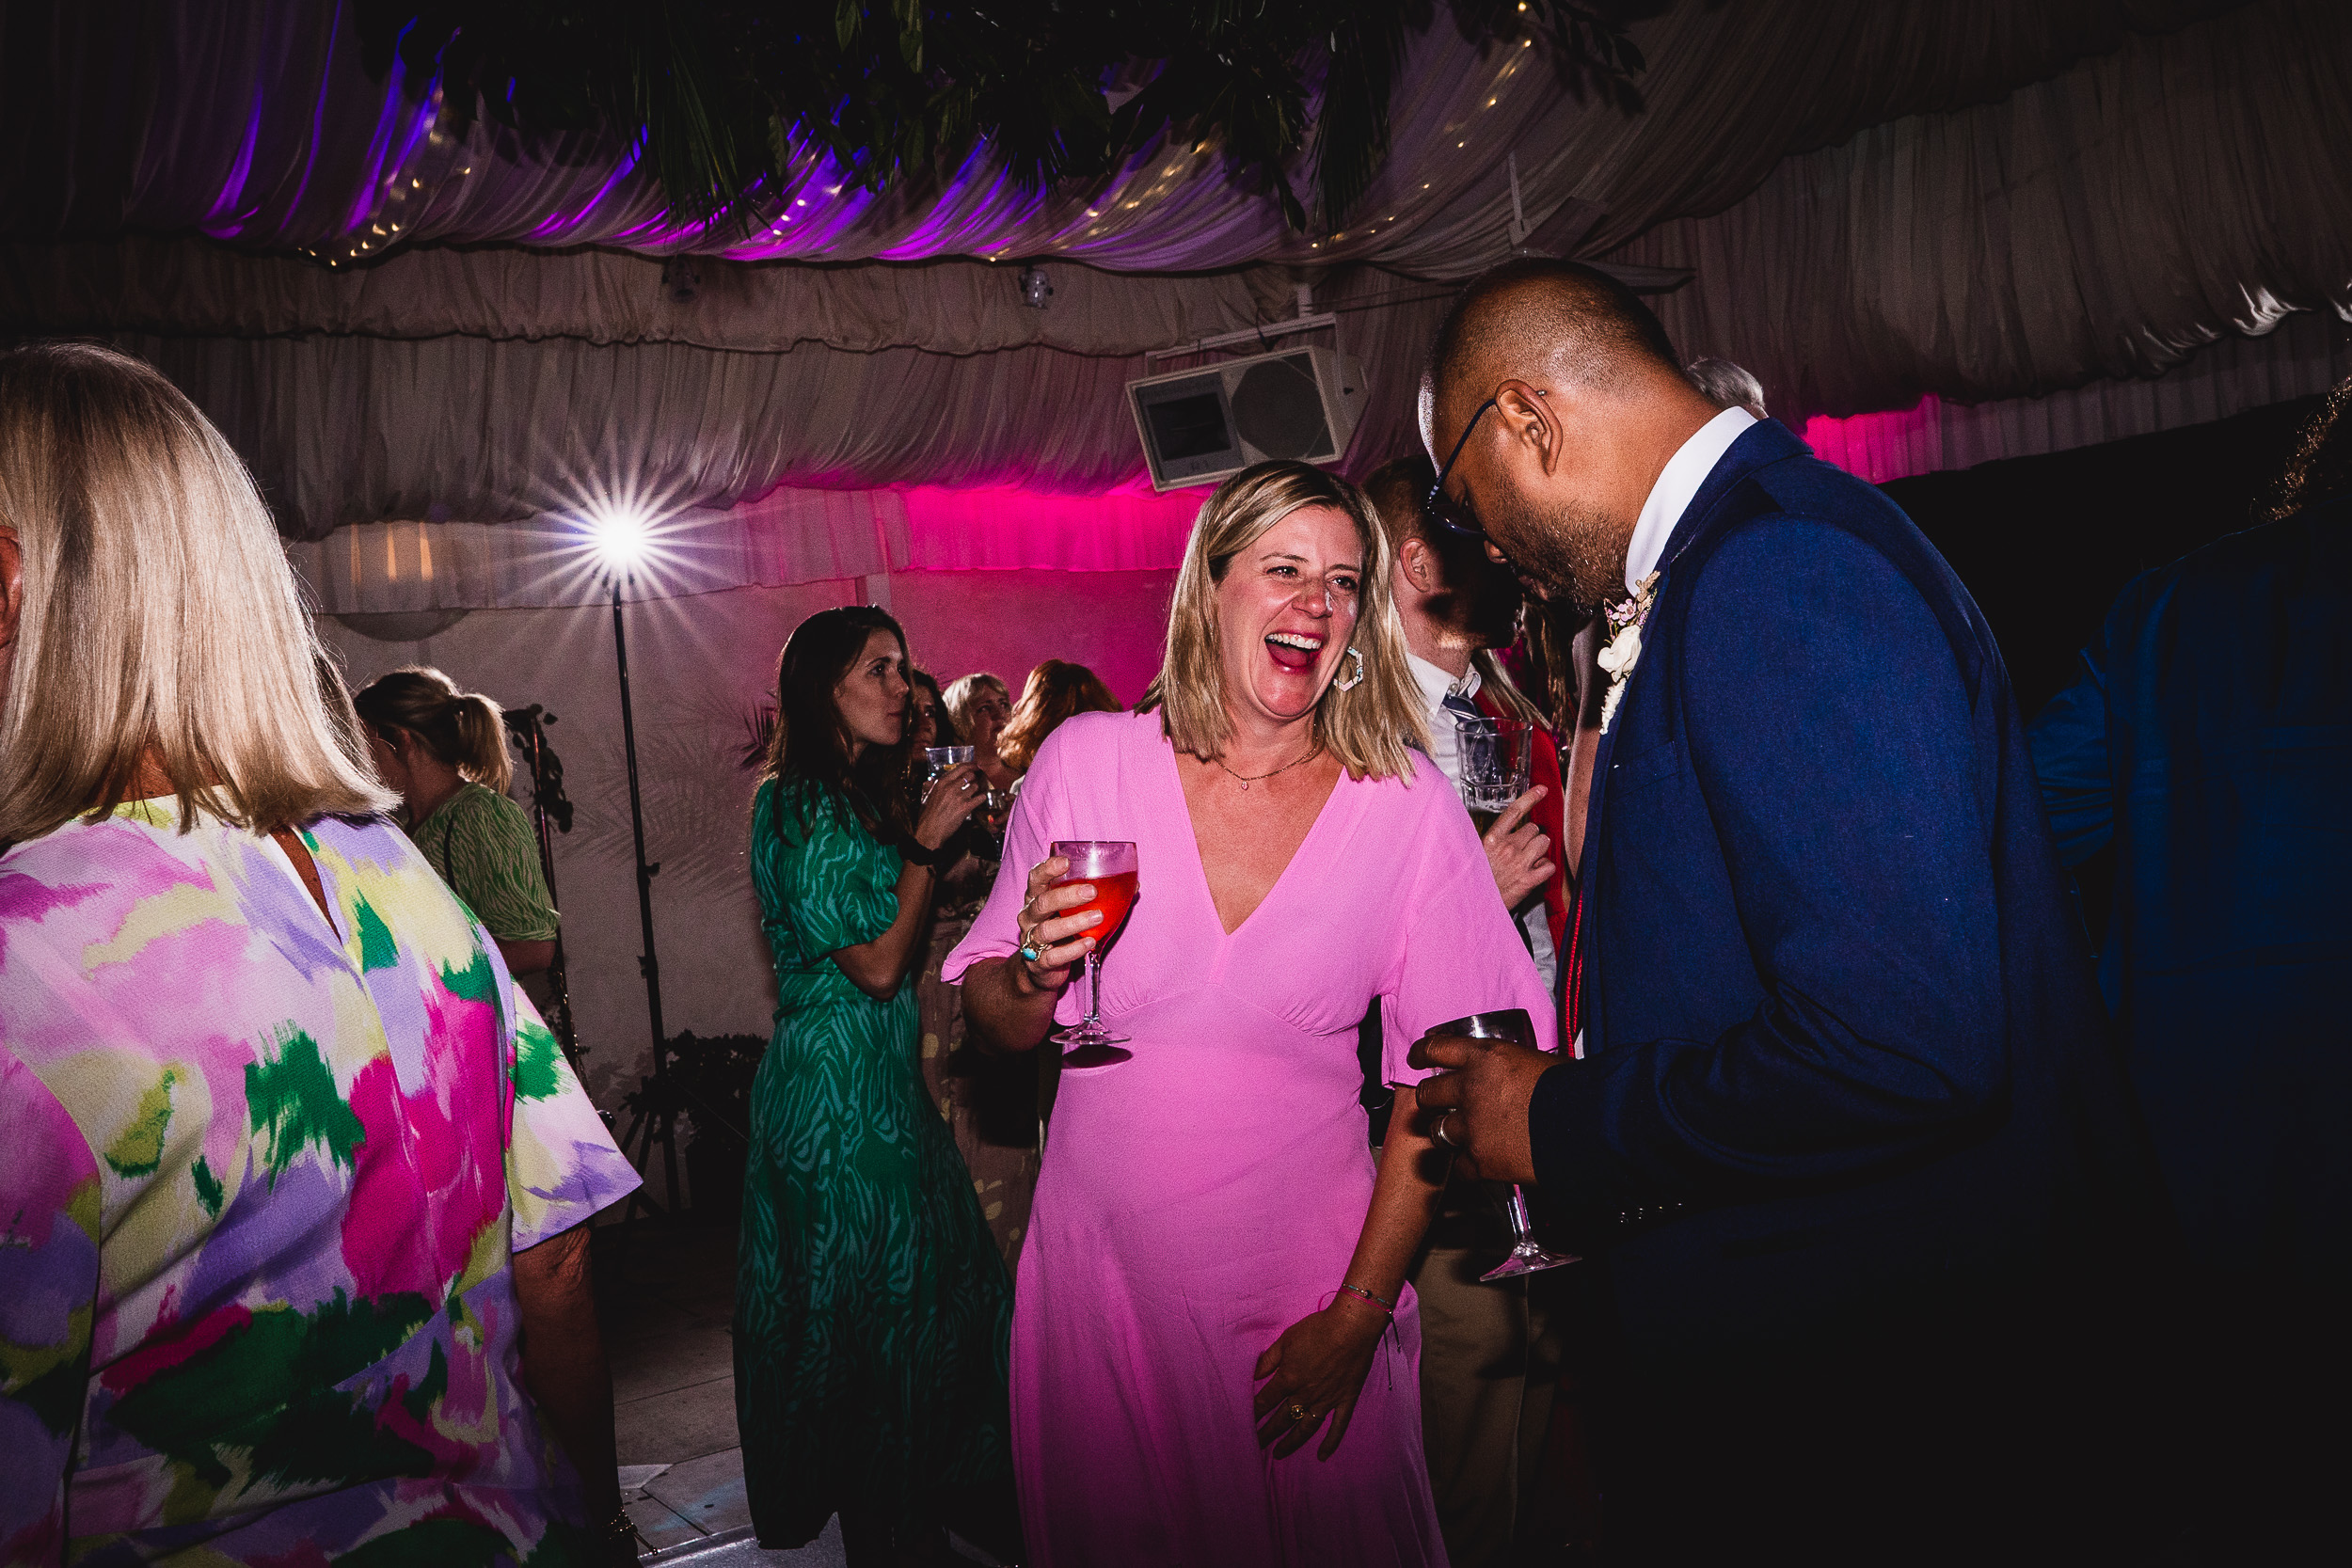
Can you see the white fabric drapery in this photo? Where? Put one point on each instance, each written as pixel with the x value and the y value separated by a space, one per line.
pixel 182 288
pixel 2306 355
pixel 2084 231
pixel 2100 225
pixel 785 539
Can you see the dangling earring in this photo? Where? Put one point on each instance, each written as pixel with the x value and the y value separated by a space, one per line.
pixel 1354 675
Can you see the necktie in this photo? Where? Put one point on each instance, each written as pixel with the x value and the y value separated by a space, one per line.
pixel 1461 706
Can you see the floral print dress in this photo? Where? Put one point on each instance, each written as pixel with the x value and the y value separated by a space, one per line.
pixel 261 1187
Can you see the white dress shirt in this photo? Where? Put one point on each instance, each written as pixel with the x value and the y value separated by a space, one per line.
pixel 1677 485
pixel 1678 482
pixel 1446 751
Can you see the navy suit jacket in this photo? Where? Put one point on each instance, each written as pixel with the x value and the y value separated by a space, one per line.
pixel 2210 739
pixel 1844 1052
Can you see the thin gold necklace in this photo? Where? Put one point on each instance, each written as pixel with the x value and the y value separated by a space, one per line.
pixel 1249 778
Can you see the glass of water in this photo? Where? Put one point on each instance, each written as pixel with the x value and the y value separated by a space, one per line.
pixel 1495 754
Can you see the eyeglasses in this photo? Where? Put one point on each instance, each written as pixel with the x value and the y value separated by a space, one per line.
pixel 1461 519
pixel 1444 508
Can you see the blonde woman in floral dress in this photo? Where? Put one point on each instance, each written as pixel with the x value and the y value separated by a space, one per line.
pixel 292 1212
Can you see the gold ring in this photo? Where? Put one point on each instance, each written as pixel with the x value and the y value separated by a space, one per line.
pixel 1299 1411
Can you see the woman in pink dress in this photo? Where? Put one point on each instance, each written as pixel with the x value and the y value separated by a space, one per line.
pixel 1214 1278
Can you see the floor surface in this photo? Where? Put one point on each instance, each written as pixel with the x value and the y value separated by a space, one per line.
pixel 666 1299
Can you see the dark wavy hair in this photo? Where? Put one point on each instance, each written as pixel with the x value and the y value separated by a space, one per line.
pixel 810 744
pixel 2321 468
pixel 949 734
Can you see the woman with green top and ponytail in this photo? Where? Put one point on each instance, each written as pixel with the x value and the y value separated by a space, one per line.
pixel 444 752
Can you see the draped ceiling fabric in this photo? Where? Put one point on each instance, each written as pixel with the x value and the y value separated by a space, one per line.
pixel 1982 201
pixel 256 124
pixel 2101 225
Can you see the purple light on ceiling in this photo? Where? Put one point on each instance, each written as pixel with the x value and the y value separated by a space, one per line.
pixel 555 222
pixel 232 189
pixel 398 130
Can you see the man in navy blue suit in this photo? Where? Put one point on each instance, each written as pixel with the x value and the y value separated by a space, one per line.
pixel 1844 1143
pixel 2210 742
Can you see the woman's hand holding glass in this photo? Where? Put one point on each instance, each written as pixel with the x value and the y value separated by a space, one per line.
pixel 955 795
pixel 1060 941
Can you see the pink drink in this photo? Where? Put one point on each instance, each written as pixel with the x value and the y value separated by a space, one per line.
pixel 1113 895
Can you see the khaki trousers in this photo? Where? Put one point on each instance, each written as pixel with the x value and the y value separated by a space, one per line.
pixel 1489 1364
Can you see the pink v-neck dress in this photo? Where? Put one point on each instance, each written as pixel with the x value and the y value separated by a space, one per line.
pixel 1198 1198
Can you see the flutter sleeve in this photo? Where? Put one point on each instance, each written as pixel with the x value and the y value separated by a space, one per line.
pixel 1461 953
pixel 816 871
pixel 562 1163
pixel 48 1224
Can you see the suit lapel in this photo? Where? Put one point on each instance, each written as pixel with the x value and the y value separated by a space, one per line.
pixel 1765 442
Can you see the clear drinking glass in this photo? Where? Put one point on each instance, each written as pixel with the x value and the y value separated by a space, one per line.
pixel 1109 866
pixel 1510 1024
pixel 1495 756
pixel 938 759
pixel 996 811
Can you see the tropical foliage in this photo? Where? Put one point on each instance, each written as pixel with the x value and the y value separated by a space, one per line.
pixel 724 95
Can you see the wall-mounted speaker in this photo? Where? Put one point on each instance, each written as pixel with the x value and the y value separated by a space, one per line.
pixel 1199 426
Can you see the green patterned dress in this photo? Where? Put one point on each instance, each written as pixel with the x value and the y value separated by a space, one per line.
pixel 872 1311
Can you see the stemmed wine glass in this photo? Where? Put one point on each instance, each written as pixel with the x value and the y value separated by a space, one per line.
pixel 1510 1024
pixel 1110 868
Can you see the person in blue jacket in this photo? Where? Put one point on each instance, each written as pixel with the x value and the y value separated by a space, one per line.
pixel 2209 739
pixel 1845 1140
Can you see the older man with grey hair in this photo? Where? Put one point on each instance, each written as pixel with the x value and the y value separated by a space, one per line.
pixel 1726 384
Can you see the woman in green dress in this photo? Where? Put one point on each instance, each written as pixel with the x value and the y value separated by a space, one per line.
pixel 872 1311
pixel 444 752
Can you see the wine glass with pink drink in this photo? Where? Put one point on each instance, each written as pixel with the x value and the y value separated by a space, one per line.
pixel 1108 866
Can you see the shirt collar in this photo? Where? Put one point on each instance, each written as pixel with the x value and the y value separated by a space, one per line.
pixel 1436 685
pixel 1678 482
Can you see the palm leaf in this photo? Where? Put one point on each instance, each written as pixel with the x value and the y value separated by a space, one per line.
pixel 718 98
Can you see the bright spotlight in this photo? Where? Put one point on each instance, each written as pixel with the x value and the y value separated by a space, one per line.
pixel 621 540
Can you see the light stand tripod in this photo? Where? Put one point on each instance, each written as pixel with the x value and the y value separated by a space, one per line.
pixel 656 1115
pixel 548 804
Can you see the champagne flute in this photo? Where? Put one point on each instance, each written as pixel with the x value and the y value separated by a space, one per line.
pixel 1510 1024
pixel 1110 867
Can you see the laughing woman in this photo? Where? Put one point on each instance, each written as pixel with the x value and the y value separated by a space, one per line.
pixel 1213 1268
pixel 871 1306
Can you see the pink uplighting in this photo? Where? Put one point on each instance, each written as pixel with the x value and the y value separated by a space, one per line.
pixel 1008 528
pixel 1877 447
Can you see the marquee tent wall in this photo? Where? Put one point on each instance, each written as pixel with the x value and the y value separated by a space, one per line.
pixel 699 667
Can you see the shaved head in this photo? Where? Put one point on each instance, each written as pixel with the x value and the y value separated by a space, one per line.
pixel 1569 321
pixel 1582 399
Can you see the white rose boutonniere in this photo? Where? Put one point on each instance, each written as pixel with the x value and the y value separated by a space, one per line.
pixel 1624 649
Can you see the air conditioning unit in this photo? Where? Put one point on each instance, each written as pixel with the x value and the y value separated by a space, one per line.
pixel 1200 426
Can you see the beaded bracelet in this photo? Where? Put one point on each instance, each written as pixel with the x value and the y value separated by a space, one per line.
pixel 1382 1303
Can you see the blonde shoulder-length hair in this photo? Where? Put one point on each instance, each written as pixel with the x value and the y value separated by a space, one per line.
pixel 159 614
pixel 1370 727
